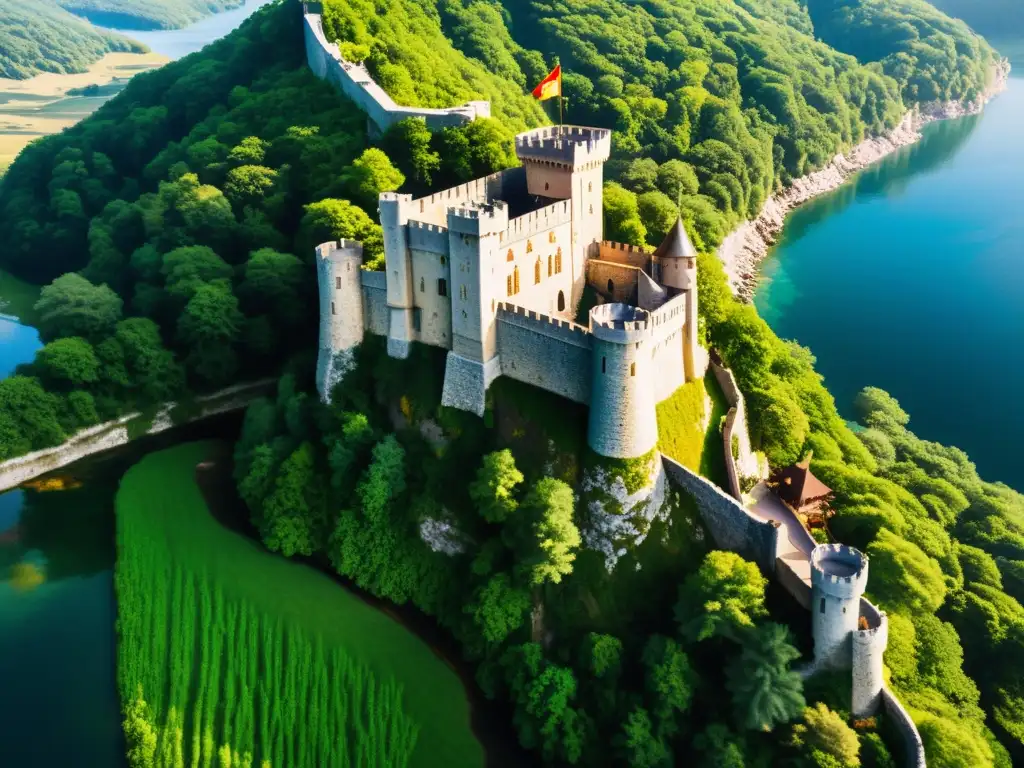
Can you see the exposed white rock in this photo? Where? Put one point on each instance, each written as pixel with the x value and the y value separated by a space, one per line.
pixel 441 536
pixel 749 243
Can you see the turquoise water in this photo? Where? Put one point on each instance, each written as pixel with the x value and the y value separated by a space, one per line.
pixel 911 278
pixel 175 43
pixel 18 344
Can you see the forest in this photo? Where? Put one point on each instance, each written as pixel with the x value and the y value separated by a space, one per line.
pixel 186 210
pixel 42 37
pixel 146 14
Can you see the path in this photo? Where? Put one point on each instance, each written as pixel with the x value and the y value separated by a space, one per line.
pixel 793 563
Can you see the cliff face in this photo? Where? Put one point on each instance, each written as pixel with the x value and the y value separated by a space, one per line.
pixel 750 242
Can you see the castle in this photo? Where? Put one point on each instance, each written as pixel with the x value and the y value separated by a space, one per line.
pixel 493 271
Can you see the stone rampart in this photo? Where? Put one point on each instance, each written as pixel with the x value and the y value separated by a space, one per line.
pixel 547 352
pixel 622 253
pixel 112 434
pixel 914 755
pixel 618 282
pixel 746 464
pixel 375 303
pixel 868 648
pixel 431 238
pixel 530 224
pixel 730 525
pixel 570 145
pixel 354 81
pixel 433 209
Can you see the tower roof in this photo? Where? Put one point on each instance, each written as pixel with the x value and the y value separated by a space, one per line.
pixel 676 244
pixel 797 486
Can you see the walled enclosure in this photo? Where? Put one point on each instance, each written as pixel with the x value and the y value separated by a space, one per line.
pixel 353 80
pixel 493 270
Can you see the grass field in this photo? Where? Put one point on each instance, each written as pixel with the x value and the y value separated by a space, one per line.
pixel 18 298
pixel 687 434
pixel 235 646
pixel 40 105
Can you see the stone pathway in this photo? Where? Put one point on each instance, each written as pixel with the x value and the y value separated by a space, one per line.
pixel 793 564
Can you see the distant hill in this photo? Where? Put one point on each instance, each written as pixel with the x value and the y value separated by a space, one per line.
pixel 43 37
pixel 146 14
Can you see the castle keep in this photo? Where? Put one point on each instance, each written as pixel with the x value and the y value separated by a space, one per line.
pixel 493 271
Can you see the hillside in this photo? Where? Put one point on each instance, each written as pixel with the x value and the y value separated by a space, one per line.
pixel 42 37
pixel 146 14
pixel 190 204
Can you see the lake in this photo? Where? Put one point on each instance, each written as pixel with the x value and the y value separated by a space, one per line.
pixel 175 43
pixel 911 278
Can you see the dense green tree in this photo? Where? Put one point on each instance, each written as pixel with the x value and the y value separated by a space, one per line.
pixel 294 514
pixel 825 740
pixel 904 576
pixel 408 142
pixel 273 284
pixel 493 490
pixel 209 327
pixel 724 597
pixel 658 213
pixel 72 306
pixel 765 691
pixel 67 362
pixel 498 608
pixel 622 222
pixel 369 175
pixel 555 537
pixel 637 744
pixel 140 734
pixel 669 681
pixel 187 268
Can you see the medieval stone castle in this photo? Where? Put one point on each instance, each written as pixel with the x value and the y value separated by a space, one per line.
pixel 493 271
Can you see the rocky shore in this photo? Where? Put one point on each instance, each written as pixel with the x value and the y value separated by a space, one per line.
pixel 749 243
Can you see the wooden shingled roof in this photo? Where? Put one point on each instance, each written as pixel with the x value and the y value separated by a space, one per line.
pixel 797 486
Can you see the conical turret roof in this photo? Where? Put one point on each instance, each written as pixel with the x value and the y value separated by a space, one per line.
pixel 676 244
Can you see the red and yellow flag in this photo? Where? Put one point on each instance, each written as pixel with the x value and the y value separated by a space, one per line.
pixel 550 86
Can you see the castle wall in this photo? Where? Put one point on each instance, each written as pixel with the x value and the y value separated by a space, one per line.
pixel 667 352
pixel 623 253
pixel 433 209
pixel 534 240
pixel 431 296
pixel 616 282
pixel 735 424
pixel 546 352
pixel 354 81
pixel 914 755
pixel 730 525
pixel 375 303
pixel 339 283
pixel 650 295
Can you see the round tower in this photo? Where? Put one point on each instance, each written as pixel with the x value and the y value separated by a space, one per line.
pixel 869 642
pixel 839 575
pixel 622 423
pixel 339 279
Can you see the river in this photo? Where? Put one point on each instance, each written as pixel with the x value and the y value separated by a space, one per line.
pixel 910 277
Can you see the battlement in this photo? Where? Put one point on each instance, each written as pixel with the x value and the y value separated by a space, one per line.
pixel 611 245
pixel 338 250
pixel 572 146
pixel 540 220
pixel 839 570
pixel 619 323
pixel 545 324
pixel 877 624
pixel 479 219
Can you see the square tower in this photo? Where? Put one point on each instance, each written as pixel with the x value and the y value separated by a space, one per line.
pixel 567 162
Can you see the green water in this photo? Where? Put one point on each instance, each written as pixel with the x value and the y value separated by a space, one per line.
pixel 911 278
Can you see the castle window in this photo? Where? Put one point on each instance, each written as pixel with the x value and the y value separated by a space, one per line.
pixel 515 280
pixel 604 364
pixel 508 287
pixel 591 209
pixel 333 310
pixel 536 272
pixel 443 260
pixel 611 286
pixel 529 246
pixel 423 285
pixel 558 261
pixel 561 301
pixel 510 256
pixel 551 236
pixel 417 319
pixel 442 287
pixel 844 609
pixel 546 185
pixel 590 186
pixel 821 607
pixel 337 283
pixel 632 369
pixel 549 264
pixel 463 292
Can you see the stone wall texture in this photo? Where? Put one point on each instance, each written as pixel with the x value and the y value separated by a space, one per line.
pixel 914 756
pixel 730 525
pixel 545 352
pixel 354 81
pixel 868 648
pixel 735 424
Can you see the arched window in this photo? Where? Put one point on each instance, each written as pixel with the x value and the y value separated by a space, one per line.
pixel 821 607
pixel 558 261
pixel 551 236
pixel 510 256
pixel 604 364
pixel 611 286
pixel 591 209
pixel 423 285
pixel 508 286
pixel 632 369
pixel 546 185
pixel 442 286
pixel 529 246
pixel 337 283
pixel 561 301
pixel 550 264
pixel 515 280
pixel 590 186
pixel 536 272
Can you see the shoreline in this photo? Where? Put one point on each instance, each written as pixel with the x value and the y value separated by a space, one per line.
pixel 743 250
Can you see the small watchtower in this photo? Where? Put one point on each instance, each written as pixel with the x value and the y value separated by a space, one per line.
pixel 338 271
pixel 839 576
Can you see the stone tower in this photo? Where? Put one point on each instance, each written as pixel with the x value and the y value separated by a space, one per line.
pixel 622 422
pixel 394 215
pixel 839 575
pixel 677 263
pixel 567 162
pixel 338 268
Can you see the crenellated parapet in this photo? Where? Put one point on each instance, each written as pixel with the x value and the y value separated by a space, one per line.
pixel 839 570
pixel 569 146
